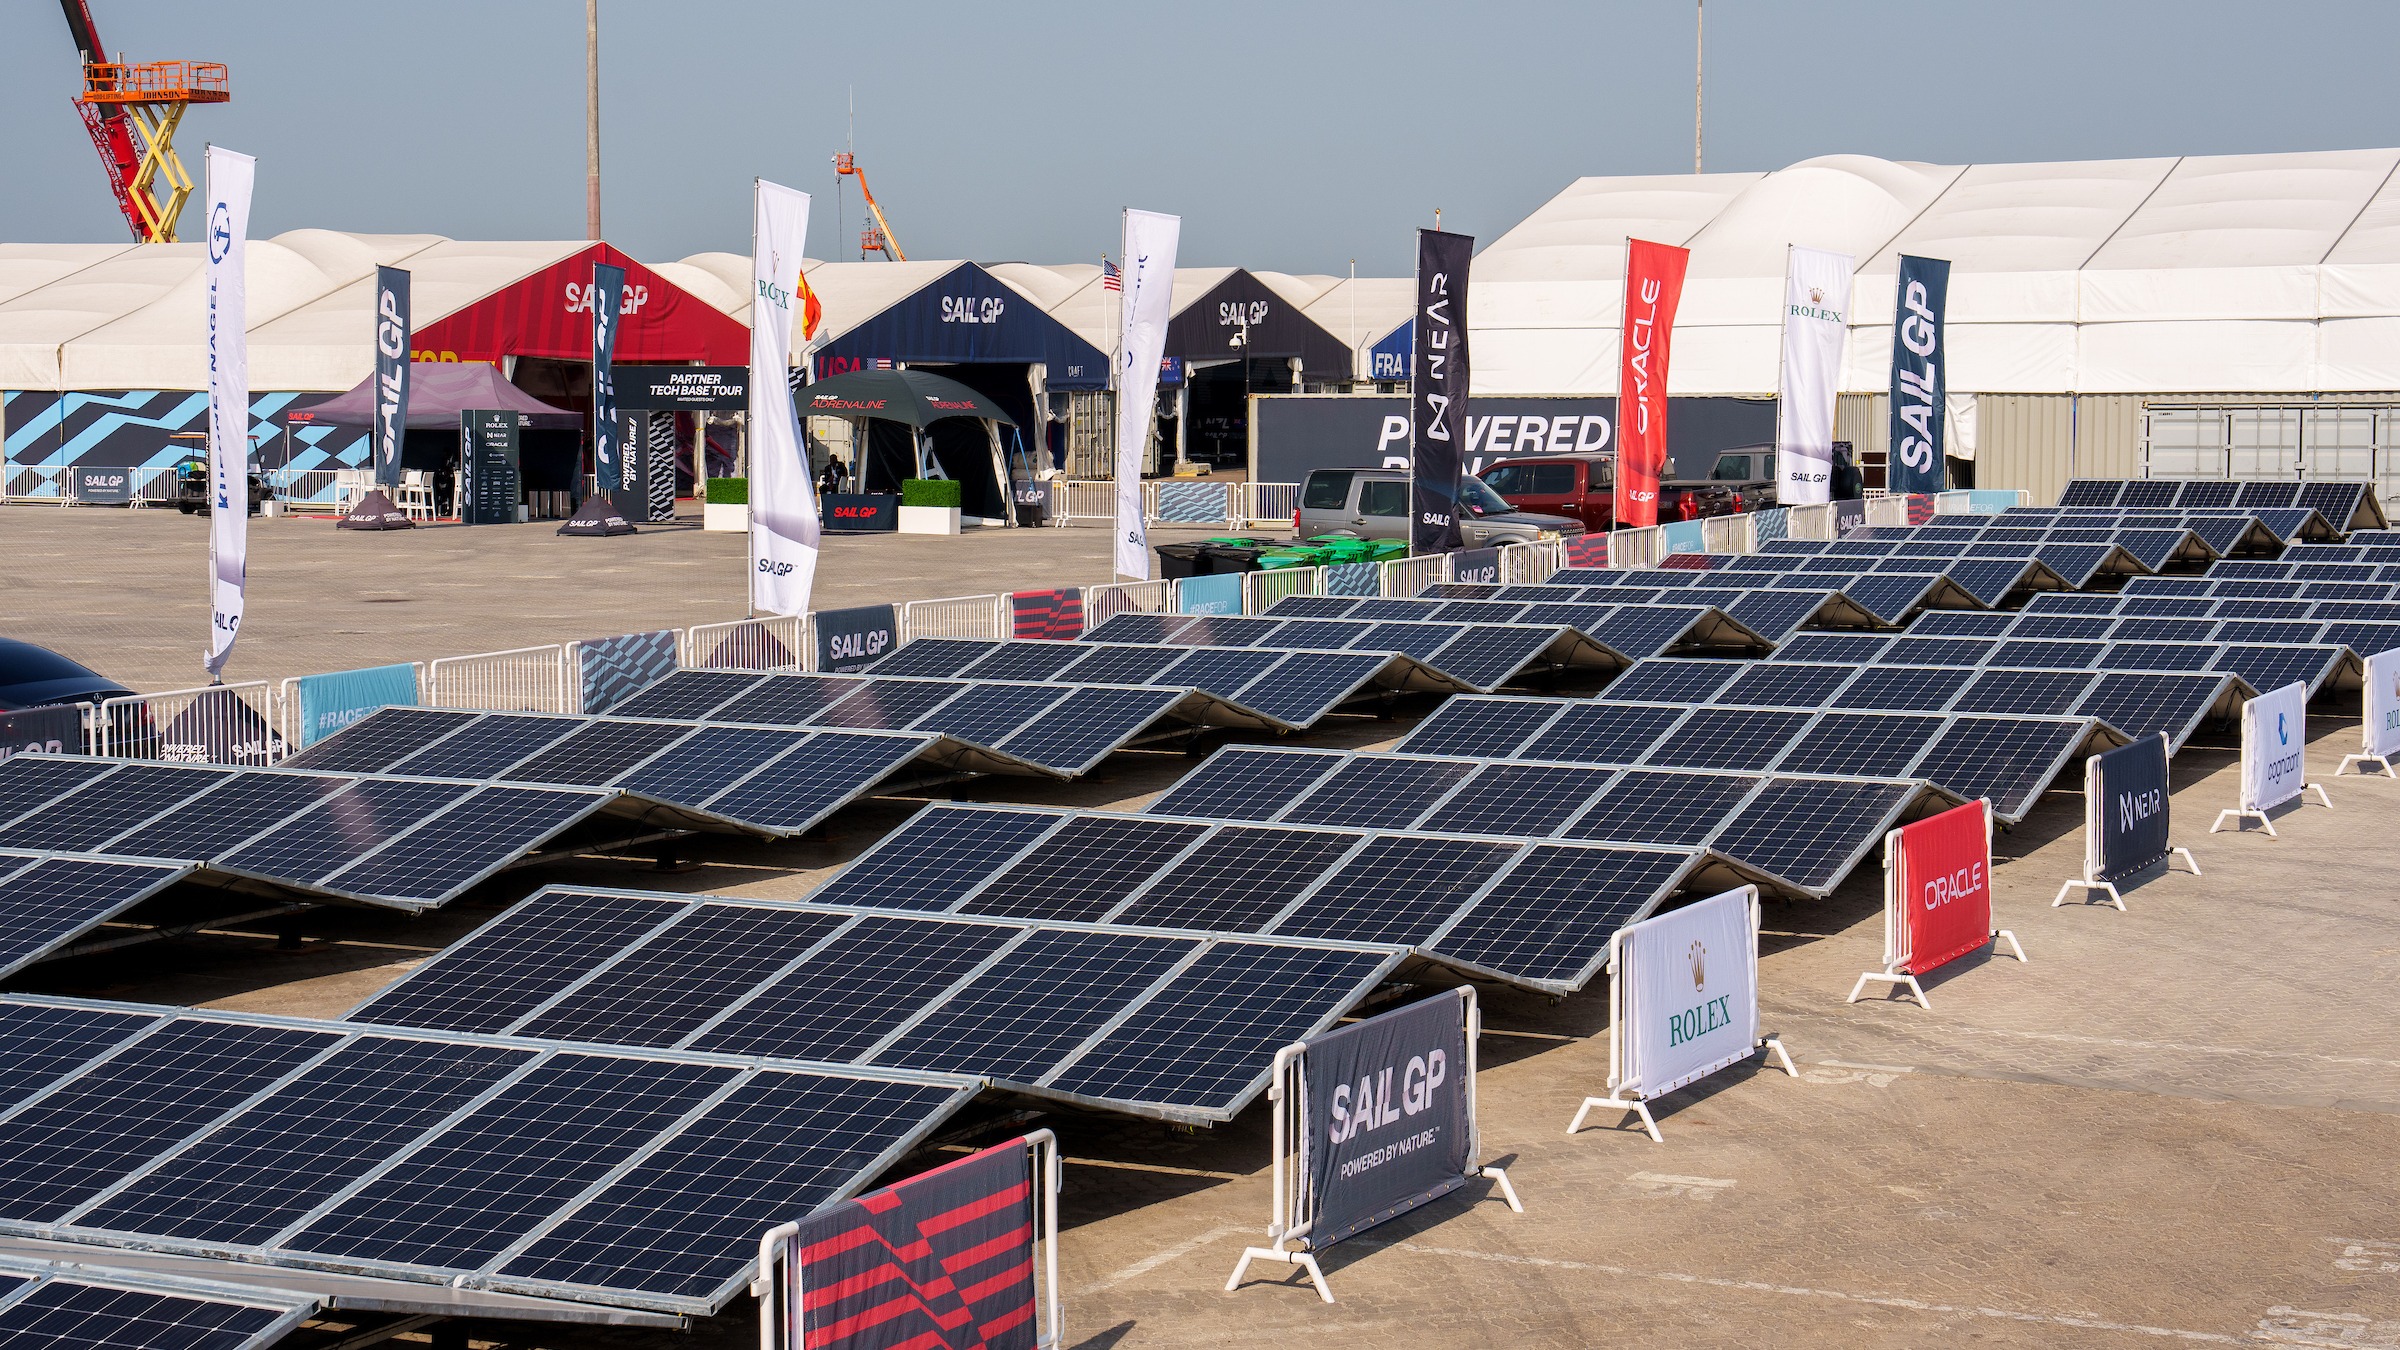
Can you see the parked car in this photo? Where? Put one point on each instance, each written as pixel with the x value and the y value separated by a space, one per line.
pixel 1584 485
pixel 36 677
pixel 1373 504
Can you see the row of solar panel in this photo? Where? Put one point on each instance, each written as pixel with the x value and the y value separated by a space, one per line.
pixel 2261 528
pixel 2337 502
pixel 2152 547
pixel 1533 917
pixel 1804 832
pixel 2129 623
pixel 47 900
pixel 2077 563
pixel 631 1177
pixel 1770 610
pixel 2271 587
pixel 1979 583
pixel 2262 666
pixel 1287 689
pixel 1930 674
pixel 2191 602
pixel 50 1306
pixel 1167 1024
pixel 1989 579
pixel 2317 553
pixel 2009 759
pixel 1480 656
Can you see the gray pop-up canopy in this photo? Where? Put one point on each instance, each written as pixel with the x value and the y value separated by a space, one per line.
pixel 438 391
pixel 924 401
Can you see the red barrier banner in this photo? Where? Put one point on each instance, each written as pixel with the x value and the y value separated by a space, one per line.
pixel 1047 615
pixel 1944 886
pixel 1653 286
pixel 1589 550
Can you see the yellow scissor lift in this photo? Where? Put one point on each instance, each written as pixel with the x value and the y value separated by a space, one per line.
pixel 155 94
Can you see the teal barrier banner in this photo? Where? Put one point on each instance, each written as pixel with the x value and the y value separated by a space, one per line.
pixel 1681 536
pixel 1214 594
pixel 330 702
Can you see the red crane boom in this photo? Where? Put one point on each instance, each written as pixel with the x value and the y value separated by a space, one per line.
pixel 110 125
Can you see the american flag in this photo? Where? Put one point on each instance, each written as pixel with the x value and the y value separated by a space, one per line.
pixel 883 363
pixel 1110 277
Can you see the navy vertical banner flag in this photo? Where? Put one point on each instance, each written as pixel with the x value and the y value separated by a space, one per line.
pixel 1437 391
pixel 608 448
pixel 391 373
pixel 1915 463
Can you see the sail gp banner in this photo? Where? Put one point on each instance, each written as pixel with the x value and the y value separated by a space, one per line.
pixel 1389 1121
pixel 2274 739
pixel 1917 383
pixel 1653 287
pixel 392 361
pixel 1941 880
pixel 1690 987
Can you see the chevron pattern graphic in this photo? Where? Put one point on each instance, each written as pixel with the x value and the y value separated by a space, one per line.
pixel 1193 503
pixel 1362 578
pixel 942 1261
pixel 612 670
pixel 659 466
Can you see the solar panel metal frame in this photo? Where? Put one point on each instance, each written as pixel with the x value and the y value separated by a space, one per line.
pixel 288 1308
pixel 16 862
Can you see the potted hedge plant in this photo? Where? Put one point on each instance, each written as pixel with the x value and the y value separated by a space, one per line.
pixel 727 505
pixel 930 506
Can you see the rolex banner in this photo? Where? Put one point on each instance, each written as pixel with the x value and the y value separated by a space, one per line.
pixel 1437 391
pixel 1389 1120
pixel 1143 310
pixel 1690 982
pixel 1816 319
pixel 391 373
pixel 229 177
pixel 1941 881
pixel 784 529
pixel 1917 382
pixel 2274 737
pixel 1653 286
pixel 608 438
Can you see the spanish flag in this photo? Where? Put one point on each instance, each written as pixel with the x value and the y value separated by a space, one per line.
pixel 811 312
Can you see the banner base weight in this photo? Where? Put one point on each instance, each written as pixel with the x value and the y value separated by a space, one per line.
pixel 2382 763
pixel 1303 1260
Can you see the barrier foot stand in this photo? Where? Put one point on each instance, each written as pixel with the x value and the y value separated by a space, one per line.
pixel 2188 860
pixel 1507 1192
pixel 2113 897
pixel 1775 1045
pixel 1635 1104
pixel 1303 1260
pixel 1999 934
pixel 2239 816
pixel 2319 789
pixel 1887 977
pixel 2382 763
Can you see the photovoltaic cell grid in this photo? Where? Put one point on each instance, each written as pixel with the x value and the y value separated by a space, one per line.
pixel 1028 1003
pixel 620 1176
pixel 1478 655
pixel 1297 690
pixel 47 901
pixel 409 843
pixel 53 1306
pixel 2342 504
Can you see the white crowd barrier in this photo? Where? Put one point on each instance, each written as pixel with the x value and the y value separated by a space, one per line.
pixel 1260 590
pixel 1885 510
pixel 1102 603
pixel 964 616
pixel 1404 578
pixel 1812 522
pixel 1084 499
pixel 218 724
pixel 1178 501
pixel 524 679
pixel 1266 504
pixel 774 642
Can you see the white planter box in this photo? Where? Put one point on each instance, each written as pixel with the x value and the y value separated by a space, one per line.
pixel 733 516
pixel 929 519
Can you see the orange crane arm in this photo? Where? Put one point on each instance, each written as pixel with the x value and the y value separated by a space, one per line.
pixel 882 238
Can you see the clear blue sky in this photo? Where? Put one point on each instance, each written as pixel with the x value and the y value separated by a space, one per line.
pixel 1294 135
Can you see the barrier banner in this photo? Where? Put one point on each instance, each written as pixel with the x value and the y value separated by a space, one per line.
pixel 1682 536
pixel 2274 739
pixel 942 1261
pixel 850 640
pixel 330 702
pixel 1217 594
pixel 1943 880
pixel 608 448
pixel 784 529
pixel 102 485
pixel 1359 578
pixel 2126 797
pixel 1437 391
pixel 1589 550
pixel 1476 565
pixel 1653 287
pixel 1691 992
pixel 862 512
pixel 1848 515
pixel 229 178
pixel 217 727
pixel 1816 320
pixel 1918 385
pixel 1389 1124
pixel 1920 508
pixel 392 358
pixel 614 669
pixel 1144 309
pixel 2380 726
pixel 1047 615
pixel 55 729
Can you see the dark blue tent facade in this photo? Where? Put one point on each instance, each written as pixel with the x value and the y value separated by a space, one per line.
pixel 968 317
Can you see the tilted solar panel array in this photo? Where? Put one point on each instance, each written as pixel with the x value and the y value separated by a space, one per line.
pixel 2159 619
pixel 1805 833
pixel 46 1304
pixel 1479 656
pixel 2237 529
pixel 47 900
pixel 405 842
pixel 2344 505
pixel 2008 759
pixel 1538 916
pixel 1178 1025
pixel 709 776
pixel 1629 612
pixel 601 1174
pixel 1293 691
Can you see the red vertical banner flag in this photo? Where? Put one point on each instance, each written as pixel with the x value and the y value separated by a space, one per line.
pixel 1946 884
pixel 1653 285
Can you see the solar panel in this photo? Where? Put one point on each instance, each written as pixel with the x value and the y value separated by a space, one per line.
pixel 1219 669
pixel 1242 783
pixel 385 736
pixel 2255 495
pixel 2159 656
pixel 2062 626
pixel 1640 631
pixel 1647 806
pixel 1305 686
pixel 1488 657
pixel 1378 792
pixel 798 700
pixel 2337 502
pixel 46 903
pixel 708 761
pixel 1138 628
pixel 1519 800
pixel 853 993
pixel 1313 606
pixel 1085 869
pixel 682 976
pixel 1398 889
pixel 41 1044
pixel 342 829
pixel 486 747
pixel 2010 760
pixel 2259 631
pixel 936 858
pixel 106 807
pixel 1592 733
pixel 1483 728
pixel 2272 667
pixel 29 781
pixel 1812 831
pixel 482 833
pixel 985 714
pixel 1674 680
pixel 1775 614
pixel 794 792
pixel 1891 597
pixel 2140 704
pixel 1550 917
pixel 1087 725
pixel 1961 623
pixel 689 695
pixel 2024 692
pixel 1849 648
pixel 1778 684
pixel 2047 653
pixel 879 704
pixel 1728 738
pixel 1024 661
pixel 1904 688
pixel 1123 664
pixel 2140 493
pixel 2091 492
pixel 57 1307
pixel 1044 998
pixel 1861 744
pixel 933 656
pixel 1239 879
pixel 2364 638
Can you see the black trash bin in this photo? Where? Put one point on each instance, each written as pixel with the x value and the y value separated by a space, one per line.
pixel 1176 561
pixel 1231 555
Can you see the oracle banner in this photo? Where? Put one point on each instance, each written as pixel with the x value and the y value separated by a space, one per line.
pixel 1653 286
pixel 1941 879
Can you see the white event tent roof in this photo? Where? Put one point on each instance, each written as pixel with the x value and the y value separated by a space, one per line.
pixel 2203 274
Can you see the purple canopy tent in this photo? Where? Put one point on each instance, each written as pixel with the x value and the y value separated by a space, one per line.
pixel 438 391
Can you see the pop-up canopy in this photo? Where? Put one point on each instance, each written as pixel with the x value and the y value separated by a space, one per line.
pixel 438 391
pixel 921 400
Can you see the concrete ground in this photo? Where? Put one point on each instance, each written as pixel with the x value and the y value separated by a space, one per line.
pixel 2177 1124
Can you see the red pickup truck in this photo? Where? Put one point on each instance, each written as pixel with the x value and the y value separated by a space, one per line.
pixel 1584 486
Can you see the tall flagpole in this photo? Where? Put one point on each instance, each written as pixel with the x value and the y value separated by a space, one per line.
pixel 1699 47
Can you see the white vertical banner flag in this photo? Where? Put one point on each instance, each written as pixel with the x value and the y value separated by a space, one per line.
pixel 1816 321
pixel 784 527
pixel 1149 278
pixel 229 176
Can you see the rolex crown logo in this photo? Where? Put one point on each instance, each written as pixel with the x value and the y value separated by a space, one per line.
pixel 1699 956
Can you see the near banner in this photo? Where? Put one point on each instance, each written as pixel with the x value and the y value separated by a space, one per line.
pixel 1437 391
pixel 608 441
pixel 1937 896
pixel 1816 319
pixel 784 529
pixel 1150 240
pixel 1653 286
pixel 1917 382
pixel 2124 818
pixel 229 178
pixel 391 373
